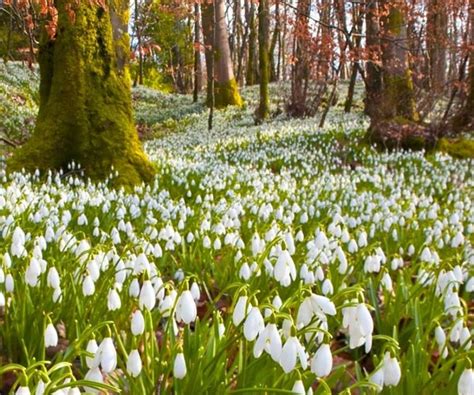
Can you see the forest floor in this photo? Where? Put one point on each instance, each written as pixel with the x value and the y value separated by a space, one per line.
pixel 285 223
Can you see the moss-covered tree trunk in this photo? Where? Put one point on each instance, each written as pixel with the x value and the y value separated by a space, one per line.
pixel 226 91
pixel 85 110
pixel 252 65
pixel 437 37
pixel 394 121
pixel 263 110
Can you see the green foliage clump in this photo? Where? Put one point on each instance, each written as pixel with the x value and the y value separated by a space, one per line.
pixel 460 148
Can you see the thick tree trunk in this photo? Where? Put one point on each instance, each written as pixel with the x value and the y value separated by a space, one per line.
pixel 398 92
pixel 263 110
pixel 300 72
pixel 274 72
pixel 373 87
pixel 85 110
pixel 436 43
pixel 226 91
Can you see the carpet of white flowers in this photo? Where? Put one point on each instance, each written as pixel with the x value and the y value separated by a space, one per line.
pixel 263 259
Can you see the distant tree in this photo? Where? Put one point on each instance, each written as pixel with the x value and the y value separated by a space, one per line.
pixel 263 110
pixel 85 110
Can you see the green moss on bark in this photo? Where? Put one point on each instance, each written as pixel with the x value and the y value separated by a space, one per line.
pixel 227 94
pixel 400 97
pixel 85 105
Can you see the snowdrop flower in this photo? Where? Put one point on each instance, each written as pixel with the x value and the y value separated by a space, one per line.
pixel 147 297
pixel 387 282
pixel 32 272
pixel 195 291
pixel 94 374
pixel 186 310
pixel 9 283
pixel 107 355
pixel 17 248
pixel 378 378
pixel 138 323
pixel 298 388
pixel 321 364
pixel 391 370
pixel 88 287
pixel 92 348
pixel 466 382
pixel 22 391
pixel 134 288
pixel 245 272
pixel 270 341
pixel 40 387
pixel 440 338
pixel 179 367
pixel 134 363
pixel 253 324
pixel 284 270
pixel 50 336
pixel 290 353
pixel 2 299
pixel 113 300
pixel 240 310
pixel 53 278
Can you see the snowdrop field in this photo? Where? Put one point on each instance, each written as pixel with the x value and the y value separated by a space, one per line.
pixel 280 258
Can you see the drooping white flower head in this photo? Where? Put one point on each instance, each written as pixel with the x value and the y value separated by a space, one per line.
pixel 466 382
pixel 50 336
pixel 134 363
pixel 179 366
pixel 186 310
pixel 321 364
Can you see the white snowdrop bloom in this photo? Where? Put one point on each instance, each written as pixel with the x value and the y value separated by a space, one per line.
pixel 327 287
pixel 411 250
pixel 186 310
pixel 240 310
pixel 7 261
pixel 270 341
pixel 50 336
pixel 387 282
pixel 32 272
pixel 253 324
pixel 464 338
pixel 147 298
pixel 466 382
pixel 9 283
pixel 168 303
pixel 57 295
pixel 134 363
pixel 137 323
pixel 277 302
pixel 134 288
pixel 378 378
pixel 94 374
pixel 352 246
pixel 321 304
pixel 88 287
pixel 113 300
pixel 245 272
pixel 391 370
pixel 426 255
pixel 40 387
pixel 179 275
pixel 305 313
pixel 457 240
pixel 206 242
pixel 22 391
pixel 195 291
pixel 92 348
pixel 321 364
pixel 179 366
pixel 440 338
pixel 17 247
pixel 284 270
pixel 362 241
pixel 291 352
pixel 107 355
pixel 298 388
pixel 2 299
pixel 455 332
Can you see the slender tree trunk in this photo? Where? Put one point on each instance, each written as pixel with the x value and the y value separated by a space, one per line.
pixel 85 110
pixel 300 71
pixel 139 43
pixel 225 90
pixel 197 52
pixel 252 73
pixel 275 38
pixel 263 110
